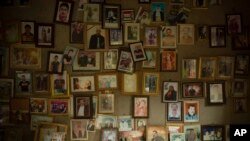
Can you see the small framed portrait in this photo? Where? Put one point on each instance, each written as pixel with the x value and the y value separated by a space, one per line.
pixel 109 134
pixel 4 60
pixel 125 123
pixel 141 124
pixel 59 85
pixel 140 106
pixel 45 35
pixel 151 81
pixel 169 60
pixel 41 83
pixel 213 132
pixel 241 41
pixel 38 106
pixel 152 61
pixel 200 4
pixel 241 66
pixel 7 89
pixel 150 36
pixel 58 106
pixel 177 136
pixel 174 128
pixel 106 103
pixel 19 111
pixel 191 111
pixel 192 90
pixel 83 106
pixel 106 121
pixel 207 67
pixel 36 119
pixel 168 36
pixel 95 105
pixel 55 62
pixel 78 129
pixel 234 23
pixel 91 125
pixel 96 38
pixel 192 131
pixel 132 32
pixel 116 37
pixel 76 32
pixel 189 68
pixel 202 31
pixel 130 83
pixel 156 132
pixel 110 59
pixel 240 105
pixel 174 111
pixel 127 15
pixel 23 83
pixel 82 83
pixel 125 63
pixel 97 1
pixel 216 93
pixel 107 81
pixel 144 1
pixel 177 2
pixel 69 55
pixel 239 87
pixel 170 91
pixel 217 36
pixel 225 67
pixel 63 11
pixel 111 16
pixel 11 31
pixel 186 34
pixel 137 51
pixel 25 56
pixel 27 31
pixel 91 13
pixel 158 11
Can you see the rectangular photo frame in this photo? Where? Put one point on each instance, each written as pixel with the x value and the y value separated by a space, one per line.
pixel 217 36
pixel 59 85
pixel 140 107
pixel 151 36
pixel 110 59
pixel 151 82
pixel 116 37
pixel 58 107
pixel 63 11
pixel 27 31
pixel 23 83
pixel 55 62
pixel 109 134
pixel 137 51
pixel 78 129
pixel 107 81
pixel 225 67
pixel 125 63
pixel 241 66
pixel 213 132
pixel 111 16
pixel 76 32
pixel 207 67
pixel 239 87
pixel 158 14
pixel 174 111
pixel 241 41
pixel 131 32
pixel 106 103
pixel 192 90
pixel 152 61
pixel 84 83
pixel 127 15
pixel 169 60
pixel 130 83
pixel 38 106
pixel 234 23
pixel 170 91
pixel 189 68
pixel 216 93
pixel 186 34
pixel 45 33
pixel 191 111
pixel 41 83
pixel 91 13
pixel 168 37
pixel 83 106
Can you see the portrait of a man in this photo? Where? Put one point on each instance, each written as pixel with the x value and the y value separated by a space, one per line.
pixel 95 37
pixel 63 11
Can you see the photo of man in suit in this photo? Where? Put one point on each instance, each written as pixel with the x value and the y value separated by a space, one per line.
pixel 97 41
pixel 158 14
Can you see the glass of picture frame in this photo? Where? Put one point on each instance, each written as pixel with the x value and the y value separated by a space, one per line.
pixel 186 34
pixel 106 121
pixel 216 132
pixel 192 131
pixel 23 83
pixel 41 83
pixel 207 67
pixel 63 11
pixel 125 122
pixel 151 81
pixel 44 35
pixel 76 32
pixel 84 83
pixel 156 132
pixel 58 107
pixel 131 32
pixel 109 134
pixel 110 59
pixel 216 92
pixel 168 36
pixel 137 51
pixel 55 62
pixel 59 85
pixel 91 125
pixel 27 31
pixel 174 111
pixel 125 63
pixel 241 66
pixel 151 36
pixel 107 81
pixel 91 13
pixel 116 37
pixel 234 23
pixel 152 61
pixel 83 106
pixel 191 111
pixel 38 106
pixel 239 87
pixel 225 67
pixel 192 90
pixel 158 14
pixel 169 60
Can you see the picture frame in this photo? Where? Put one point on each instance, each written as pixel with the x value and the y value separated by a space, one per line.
pixel 241 66
pixel 55 62
pixel 200 4
pixel 217 36
pixel 23 83
pixel 225 67
pixel 234 23
pixel 109 134
pixel 36 119
pixel 7 89
pixel 23 3
pixel 202 31
pixel 11 31
pixel 137 51
pixel 45 33
pixel 78 129
pixel 174 111
pixel 106 121
pixel 195 129
pixel 170 91
pixel 144 1
pixel 216 93
pixel 19 110
pixel 38 106
pixel 41 83
pixel 152 61
pixel 239 87
pixel 5 59
pixel 151 81
pixel 192 90
pixel 58 136
pixel 169 60
pixel 207 67
pixel 116 37
pixel 125 63
pixel 97 1
pixel 151 36
pixel 241 41
pixel 27 31
pixel 191 111
pixel 240 105
pixel 213 132
pixel 156 132
pixel 168 37
pixel 111 16
pixel 12 133
pixel 133 135
pixel 189 68
pixel 91 125
pixel 107 81
pixel 69 55
pixel 81 83
pixel 174 128
pixel 132 32
pixel 58 107
pixel 177 2
pixel 59 85
pixel 25 56
pixel 106 103
pixel 91 8
pixel 83 106
pixel 63 11
pixel 186 34
pixel 76 32
pixel 125 122
pixel 95 105
pixel 158 14
pixel 177 136
pixel 130 83
pixel 127 15
pixel 141 124
pixel 140 107
pixel 110 59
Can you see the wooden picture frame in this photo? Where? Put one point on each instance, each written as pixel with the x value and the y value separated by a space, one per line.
pixel 192 131
pixel 170 91
pixel 125 122
pixel 240 105
pixel 59 85
pixel 213 132
pixel 45 33
pixel 151 36
pixel 137 51
pixel 186 34
pixel 19 111
pixel 189 68
pixel 107 81
pixel 38 106
pixel 23 84
pixel 132 32
pixel 125 63
pixel 241 66
pixel 127 15
pixel 83 106
pixel 58 136
pixel 11 31
pixel 78 129
pixel 116 37
pixel 177 136
pixel 58 107
pixel 168 37
pixel 156 132
pixel 5 61
pixel 130 83
pixel 225 67
pixel 216 93
pixel 217 36
pixel 27 31
pixel 234 23
pixel 152 61
pixel 151 82
pixel 158 14
pixel 106 103
pixel 84 83
pixel 91 13
pixel 169 60
pixel 239 87
pixel 200 4
pixel 110 59
pixel 191 111
pixel 174 111
pixel 55 62
pixel 63 11
pixel 109 134
pixel 106 121
pixel 140 107
pixel 76 32
pixel 241 41
pixel 111 16
pixel 41 83
pixel 7 89
pixel 207 67
pixel 192 90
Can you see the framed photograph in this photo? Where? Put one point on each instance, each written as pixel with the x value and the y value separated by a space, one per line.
pixel 41 81
pixel 132 32
pixel 130 83
pixel 137 51
pixel 23 83
pixel 95 38
pixel 140 107
pixel 19 111
pixel 69 55
pixel 91 125
pixel 63 11
pixel 225 67
pixel 174 128
pixel 11 31
pixel 189 68
pixel 91 13
pixel 125 63
pixel 58 106
pixel 151 81
pixel 241 66
pixel 82 83
pixel 174 111
pixel 156 132
pixel 240 105
pixel 76 32
pixel 168 36
pixel 241 41
pixel 110 59
pixel 150 36
pixel 127 15
pixel 126 123
pixel 59 85
pixel 213 132
pixel 216 93
pixel 202 31
pixel 186 34
pixel 177 136
pixel 95 105
pixel 81 4
pixel 234 23
pixel 239 87
pixel 4 61
pixel 217 36
pixel 215 2
pixel 169 60
pixel 144 1
pixel 177 2
pixel 141 124
pixel 192 131
pixel 158 14
pixel 25 56
pixel 38 106
pixel 111 16
pixel 45 35
pixel 200 4
pixel 7 89
pixel 58 135
pixel 191 111
pixel 107 81
pixel 133 135
pixel 106 121
pixel 109 134
pixel 27 31
pixel 97 1
pixel 170 91
pixel 78 129
pixel 192 90
pixel 106 103
pixel 55 62
pixel 116 37
pixel 83 106
pixel 152 61
pixel 36 119
pixel 207 67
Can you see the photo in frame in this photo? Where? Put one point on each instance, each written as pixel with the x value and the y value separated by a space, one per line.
pixel 82 83
pixel 95 105
pixel 23 83
pixel 11 31
pixel 55 62
pixel 234 23
pixel 63 11
pixel 213 132
pixel 241 41
pixel 127 15
pixel 107 81
pixel 200 4
pixel 58 106
pixel 158 12
pixel 91 13
pixel 125 63
pixel 240 105
pixel 170 91
pixel 116 37
pixel 141 124
pixel 168 36
pixel 7 89
pixel 239 87
pixel 83 106
pixel 186 34
pixel 137 51
pixel 78 129
pixel 174 128
pixel 4 61
pixel 36 119
pixel 41 81
pixel 76 32
pixel 44 35
pixel 174 111
pixel 59 85
pixel 177 136
pixel 69 55
pixel 207 67
pixel 192 131
pixel 192 90
pixel 130 83
pixel 91 125
pixel 202 31
pixel 133 135
pixel 191 111
pixel 216 93
pixel 19 111
pixel 110 59
pixel 217 36
pixel 241 66
pixel 150 36
pixel 106 121
pixel 131 32
pixel 177 2
pixel 140 107
pixel 58 136
pixel 106 103
pixel 225 67
pixel 27 31
pixel 111 16
pixel 169 60
pixel 151 81
pixel 144 1
pixel 38 106
pixel 152 61
pixel 156 132
pixel 109 134
pixel 126 123
pixel 189 68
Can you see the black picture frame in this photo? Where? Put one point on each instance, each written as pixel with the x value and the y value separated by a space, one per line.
pixel 58 58
pixel 87 102
pixel 241 66
pixel 44 37
pixel 241 41
pixel 217 36
pixel 77 32
pixel 216 93
pixel 63 11
pixel 111 16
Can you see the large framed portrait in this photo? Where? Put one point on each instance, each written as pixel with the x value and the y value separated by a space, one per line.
pixel 217 36
pixel 192 90
pixel 158 12
pixel 82 83
pixel 140 107
pixel 111 16
pixel 63 11
pixel 169 60
pixel 127 15
pixel 189 68
pixel 116 37
pixel 151 36
pixel 130 83
pixel 207 67
pixel 191 111
pixel 106 103
pixel 174 111
pixel 234 23
pixel 125 63
pixel 156 132
pixel 27 31
pixel 151 81
pixel 225 67
pixel 38 106
pixel 58 106
pixel 11 31
pixel 241 41
pixel 83 106
pixel 41 83
pixel 91 13
pixel 55 62
pixel 152 61
pixel 109 134
pixel 106 121
pixel 107 81
pixel 110 59
pixel 241 66
pixel 170 91
pixel 45 35
pixel 192 131
pixel 23 83
pixel 186 34
pixel 216 93
pixel 4 61
pixel 59 85
pixel 168 36
pixel 25 56
pixel 132 32
pixel 126 123
pixel 240 105
pixel 213 132
pixel 239 87
pixel 7 89
pixel 76 32
pixel 137 51
pixel 78 129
